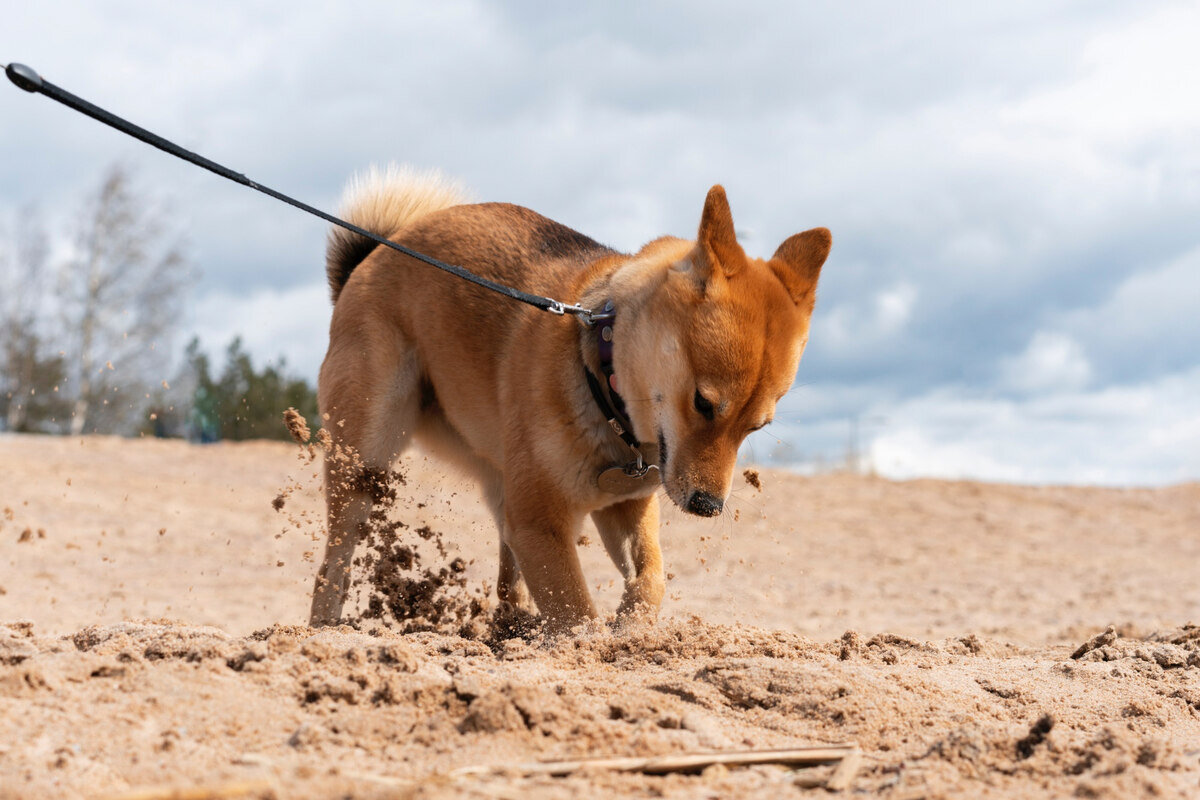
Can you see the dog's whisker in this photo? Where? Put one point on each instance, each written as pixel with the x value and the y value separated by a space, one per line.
pixel 735 496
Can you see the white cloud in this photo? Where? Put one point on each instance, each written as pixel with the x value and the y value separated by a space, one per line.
pixel 1149 322
pixel 292 323
pixel 1132 86
pixel 1145 433
pixel 864 325
pixel 894 307
pixel 1051 362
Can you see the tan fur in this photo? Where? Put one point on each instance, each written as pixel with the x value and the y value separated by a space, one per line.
pixel 384 201
pixel 498 387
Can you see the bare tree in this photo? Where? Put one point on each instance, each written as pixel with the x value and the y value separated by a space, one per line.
pixel 120 295
pixel 31 374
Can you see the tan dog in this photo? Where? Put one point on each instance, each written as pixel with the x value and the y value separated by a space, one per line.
pixel 705 343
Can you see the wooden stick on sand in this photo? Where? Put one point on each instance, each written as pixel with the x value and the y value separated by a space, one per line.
pixel 845 755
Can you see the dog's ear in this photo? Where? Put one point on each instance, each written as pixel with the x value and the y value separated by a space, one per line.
pixel 717 242
pixel 797 263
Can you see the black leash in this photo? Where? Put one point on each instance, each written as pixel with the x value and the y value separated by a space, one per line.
pixel 28 79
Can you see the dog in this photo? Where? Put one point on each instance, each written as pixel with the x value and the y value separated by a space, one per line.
pixel 554 419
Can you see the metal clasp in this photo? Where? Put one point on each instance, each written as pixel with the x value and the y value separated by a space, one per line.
pixel 603 315
pixel 586 315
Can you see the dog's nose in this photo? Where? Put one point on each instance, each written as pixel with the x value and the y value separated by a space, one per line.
pixel 704 504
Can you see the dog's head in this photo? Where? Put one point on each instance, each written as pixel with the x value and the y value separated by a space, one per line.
pixel 713 347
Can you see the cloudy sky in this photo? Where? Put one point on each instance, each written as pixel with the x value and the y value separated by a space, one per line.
pixel 1013 188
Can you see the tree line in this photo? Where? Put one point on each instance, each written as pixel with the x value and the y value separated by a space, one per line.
pixel 88 325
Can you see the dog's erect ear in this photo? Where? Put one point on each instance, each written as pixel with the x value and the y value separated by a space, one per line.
pixel 717 241
pixel 797 263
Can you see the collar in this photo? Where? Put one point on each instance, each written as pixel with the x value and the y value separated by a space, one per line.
pixel 608 400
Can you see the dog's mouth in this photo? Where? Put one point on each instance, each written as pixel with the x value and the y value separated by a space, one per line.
pixel 699 503
pixel 662 467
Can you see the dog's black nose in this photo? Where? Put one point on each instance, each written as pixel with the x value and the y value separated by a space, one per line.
pixel 703 504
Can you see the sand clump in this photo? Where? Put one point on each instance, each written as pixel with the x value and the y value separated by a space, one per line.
pixel 752 477
pixel 1175 649
pixel 297 426
pixel 404 592
pixel 404 577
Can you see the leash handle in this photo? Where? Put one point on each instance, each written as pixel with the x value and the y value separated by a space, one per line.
pixel 28 79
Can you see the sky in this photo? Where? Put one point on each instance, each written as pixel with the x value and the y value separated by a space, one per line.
pixel 1013 188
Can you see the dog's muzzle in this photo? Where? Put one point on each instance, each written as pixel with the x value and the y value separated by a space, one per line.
pixel 703 504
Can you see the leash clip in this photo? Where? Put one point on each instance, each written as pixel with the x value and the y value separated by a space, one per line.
pixel 560 308
pixel 587 317
pixel 605 314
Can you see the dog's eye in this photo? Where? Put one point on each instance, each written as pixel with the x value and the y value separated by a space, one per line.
pixel 703 405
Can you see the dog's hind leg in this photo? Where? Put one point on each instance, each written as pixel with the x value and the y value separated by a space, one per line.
pixel 510 586
pixel 370 400
pixel 629 531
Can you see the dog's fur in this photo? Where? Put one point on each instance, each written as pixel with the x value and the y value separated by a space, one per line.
pixel 706 342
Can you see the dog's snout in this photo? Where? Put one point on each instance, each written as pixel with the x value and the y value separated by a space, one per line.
pixel 704 504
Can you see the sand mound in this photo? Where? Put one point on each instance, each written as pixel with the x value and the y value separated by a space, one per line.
pixel 319 713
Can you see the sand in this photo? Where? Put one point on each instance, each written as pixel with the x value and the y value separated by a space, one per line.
pixel 975 640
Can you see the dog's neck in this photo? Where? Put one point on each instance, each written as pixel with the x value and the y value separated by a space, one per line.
pixel 602 383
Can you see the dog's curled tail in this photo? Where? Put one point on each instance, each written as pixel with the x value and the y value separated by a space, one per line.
pixel 383 201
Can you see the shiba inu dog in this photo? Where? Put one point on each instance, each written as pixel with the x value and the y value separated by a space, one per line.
pixel 697 345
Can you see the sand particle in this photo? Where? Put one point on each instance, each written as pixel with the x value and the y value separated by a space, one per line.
pixel 297 425
pixel 751 476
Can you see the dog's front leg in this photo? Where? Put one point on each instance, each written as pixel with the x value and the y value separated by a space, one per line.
pixel 544 545
pixel 629 531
